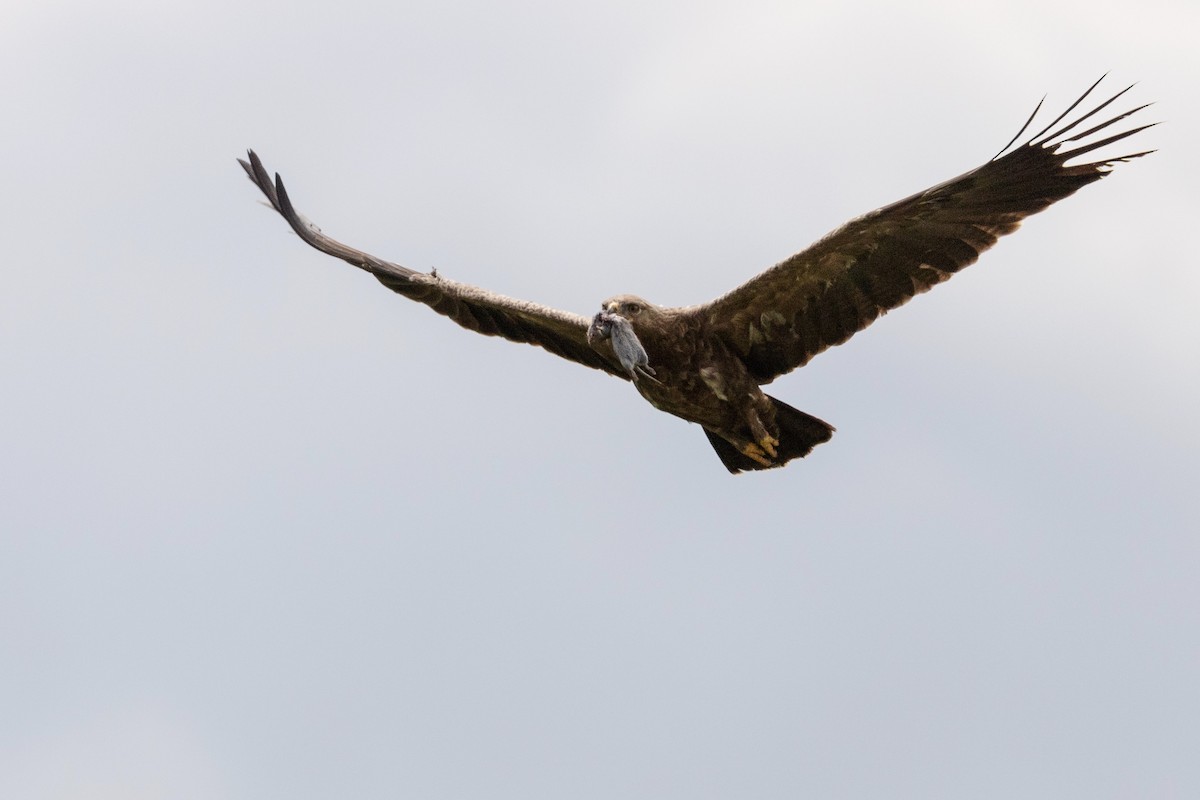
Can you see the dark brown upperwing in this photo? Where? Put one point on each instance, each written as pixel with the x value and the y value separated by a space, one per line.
pixel 824 295
pixel 559 332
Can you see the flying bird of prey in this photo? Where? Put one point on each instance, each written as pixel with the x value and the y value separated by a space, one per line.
pixel 706 363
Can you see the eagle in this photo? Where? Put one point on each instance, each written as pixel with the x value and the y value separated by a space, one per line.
pixel 707 363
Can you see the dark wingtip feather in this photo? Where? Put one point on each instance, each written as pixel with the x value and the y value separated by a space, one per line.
pixel 257 174
pixel 1116 137
pixel 1071 126
pixel 1054 136
pixel 1024 128
pixel 1072 107
pixel 1103 125
pixel 285 202
pixel 1104 166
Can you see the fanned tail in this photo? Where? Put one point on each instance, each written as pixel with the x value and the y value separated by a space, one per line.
pixel 799 433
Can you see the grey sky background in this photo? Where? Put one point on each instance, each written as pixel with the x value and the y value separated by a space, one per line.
pixel 269 530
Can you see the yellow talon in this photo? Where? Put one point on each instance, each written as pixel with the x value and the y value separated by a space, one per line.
pixel 769 443
pixel 756 453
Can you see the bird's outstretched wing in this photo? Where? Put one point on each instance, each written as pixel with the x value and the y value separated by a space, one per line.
pixel 559 332
pixel 824 295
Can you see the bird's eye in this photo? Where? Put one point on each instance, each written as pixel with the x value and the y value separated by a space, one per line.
pixel 633 308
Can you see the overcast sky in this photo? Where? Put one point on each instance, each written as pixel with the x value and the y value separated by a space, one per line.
pixel 268 530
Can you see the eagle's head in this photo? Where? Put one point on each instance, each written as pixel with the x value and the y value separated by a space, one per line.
pixel 629 306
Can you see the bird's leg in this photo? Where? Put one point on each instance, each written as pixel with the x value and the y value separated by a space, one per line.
pixel 764 440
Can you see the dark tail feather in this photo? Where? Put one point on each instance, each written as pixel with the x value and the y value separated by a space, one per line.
pixel 799 433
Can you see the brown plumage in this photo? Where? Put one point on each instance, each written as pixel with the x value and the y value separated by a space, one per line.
pixel 706 363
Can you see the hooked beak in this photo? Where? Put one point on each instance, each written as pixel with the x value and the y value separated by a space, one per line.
pixel 611 307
